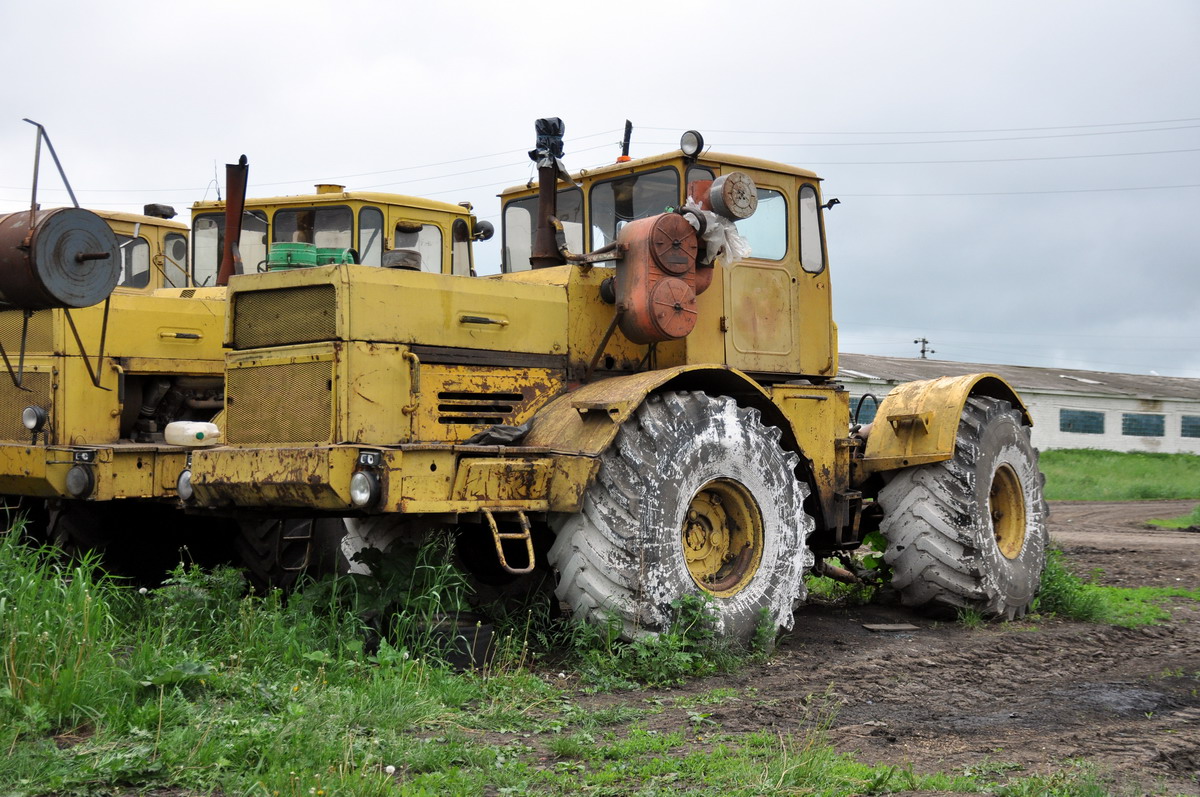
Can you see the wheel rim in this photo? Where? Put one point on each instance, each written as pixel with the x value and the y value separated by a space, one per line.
pixel 1007 504
pixel 722 537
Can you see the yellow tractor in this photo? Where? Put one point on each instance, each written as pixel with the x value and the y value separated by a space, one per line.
pixel 279 238
pixel 645 404
pixel 89 384
pixel 94 380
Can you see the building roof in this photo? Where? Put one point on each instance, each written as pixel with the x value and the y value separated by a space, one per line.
pixel 1021 377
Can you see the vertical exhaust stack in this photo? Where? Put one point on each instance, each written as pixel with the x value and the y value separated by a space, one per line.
pixel 235 204
pixel 546 155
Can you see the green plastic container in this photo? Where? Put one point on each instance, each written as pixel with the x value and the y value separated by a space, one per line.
pixel 332 255
pixel 291 255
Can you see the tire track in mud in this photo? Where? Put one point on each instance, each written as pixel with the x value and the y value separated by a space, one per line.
pixel 1035 694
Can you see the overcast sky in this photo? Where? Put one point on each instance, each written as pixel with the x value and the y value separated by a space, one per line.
pixel 1020 181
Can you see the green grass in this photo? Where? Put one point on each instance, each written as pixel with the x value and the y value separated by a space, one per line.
pixel 1085 475
pixel 200 688
pixel 1065 594
pixel 1188 521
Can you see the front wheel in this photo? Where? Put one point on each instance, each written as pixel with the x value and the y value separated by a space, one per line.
pixel 970 532
pixel 695 497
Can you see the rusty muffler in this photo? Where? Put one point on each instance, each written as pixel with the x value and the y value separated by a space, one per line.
pixel 64 257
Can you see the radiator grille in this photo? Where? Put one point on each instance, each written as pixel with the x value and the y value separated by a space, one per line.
pixel 285 403
pixel 39 338
pixel 306 314
pixel 13 400
pixel 477 409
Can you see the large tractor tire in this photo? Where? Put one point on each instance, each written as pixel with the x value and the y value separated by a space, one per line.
pixel 695 497
pixel 139 540
pixel 30 515
pixel 276 552
pixel 970 532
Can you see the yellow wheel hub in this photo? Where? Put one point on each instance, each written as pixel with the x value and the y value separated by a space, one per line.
pixel 1006 502
pixel 722 537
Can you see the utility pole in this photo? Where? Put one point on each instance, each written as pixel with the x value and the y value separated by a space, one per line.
pixel 925 350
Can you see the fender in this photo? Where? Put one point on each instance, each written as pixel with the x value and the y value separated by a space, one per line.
pixel 585 421
pixel 917 422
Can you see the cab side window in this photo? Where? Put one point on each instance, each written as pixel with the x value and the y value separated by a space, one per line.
pixel 135 261
pixel 460 252
pixel 766 230
pixel 175 265
pixel 812 252
pixel 423 239
pixel 370 236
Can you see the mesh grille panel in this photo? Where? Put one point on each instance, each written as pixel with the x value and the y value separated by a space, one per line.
pixel 285 403
pixel 39 338
pixel 306 314
pixel 13 400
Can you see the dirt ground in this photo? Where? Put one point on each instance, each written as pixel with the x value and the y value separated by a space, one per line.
pixel 1038 694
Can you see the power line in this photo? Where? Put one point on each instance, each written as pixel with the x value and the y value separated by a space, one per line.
pixel 1023 193
pixel 905 331
pixel 994 160
pixel 940 141
pixel 347 176
pixel 931 132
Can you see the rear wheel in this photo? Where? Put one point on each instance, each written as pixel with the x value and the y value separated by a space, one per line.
pixel 275 552
pixel 140 540
pixel 970 532
pixel 28 514
pixel 695 497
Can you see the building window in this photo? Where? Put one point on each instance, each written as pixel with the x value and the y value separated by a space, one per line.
pixel 1142 425
pixel 1190 426
pixel 1081 422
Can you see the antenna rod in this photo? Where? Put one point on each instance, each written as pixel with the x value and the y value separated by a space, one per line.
pixel 53 154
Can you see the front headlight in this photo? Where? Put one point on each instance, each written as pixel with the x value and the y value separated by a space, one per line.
pixel 183 486
pixel 364 488
pixel 34 418
pixel 80 481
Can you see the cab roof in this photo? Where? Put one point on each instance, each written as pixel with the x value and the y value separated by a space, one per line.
pixel 706 159
pixel 138 218
pixel 374 197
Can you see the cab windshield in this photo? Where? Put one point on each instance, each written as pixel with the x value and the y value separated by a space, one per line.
pixel 208 238
pixel 615 203
pixel 520 224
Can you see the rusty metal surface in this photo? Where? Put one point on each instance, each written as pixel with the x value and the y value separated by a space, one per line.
pixel 236 175
pixel 67 257
pixel 656 278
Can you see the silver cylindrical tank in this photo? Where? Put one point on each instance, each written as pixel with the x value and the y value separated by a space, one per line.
pixel 68 257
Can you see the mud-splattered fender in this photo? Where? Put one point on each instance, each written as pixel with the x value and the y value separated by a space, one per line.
pixel 585 420
pixel 917 423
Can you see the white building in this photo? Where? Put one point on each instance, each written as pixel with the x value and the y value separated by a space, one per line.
pixel 1070 409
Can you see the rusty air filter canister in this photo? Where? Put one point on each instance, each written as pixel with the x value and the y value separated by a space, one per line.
pixel 656 278
pixel 67 257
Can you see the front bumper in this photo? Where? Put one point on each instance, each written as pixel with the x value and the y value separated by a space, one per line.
pixel 117 471
pixel 415 479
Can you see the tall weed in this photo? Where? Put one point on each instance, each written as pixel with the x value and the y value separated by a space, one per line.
pixel 56 628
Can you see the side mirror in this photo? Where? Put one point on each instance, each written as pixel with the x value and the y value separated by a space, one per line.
pixel 483 231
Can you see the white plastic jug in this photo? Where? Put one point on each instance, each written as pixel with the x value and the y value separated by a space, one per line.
pixel 192 433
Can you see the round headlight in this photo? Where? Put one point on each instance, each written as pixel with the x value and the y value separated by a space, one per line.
pixel 364 488
pixel 691 143
pixel 183 486
pixel 34 418
pixel 80 481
